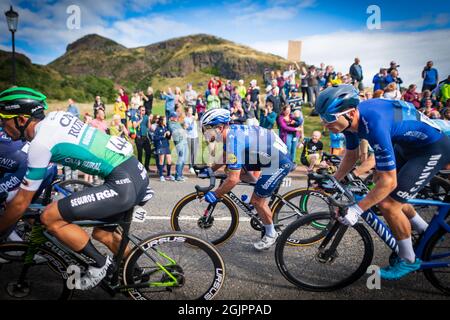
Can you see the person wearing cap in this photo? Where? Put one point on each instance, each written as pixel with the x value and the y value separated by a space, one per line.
pixel 393 66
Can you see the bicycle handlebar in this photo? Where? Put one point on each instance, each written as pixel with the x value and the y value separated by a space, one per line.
pixel 321 177
pixel 212 182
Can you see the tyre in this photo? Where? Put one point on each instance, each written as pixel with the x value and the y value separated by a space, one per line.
pixel 72 186
pixel 181 267
pixel 309 268
pixel 188 216
pixel 45 278
pixel 438 249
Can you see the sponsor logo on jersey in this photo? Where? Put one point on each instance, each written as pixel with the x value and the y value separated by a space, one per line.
pixel 9 184
pixel 231 158
pixel 416 134
pixel 123 181
pixel 7 163
pixel 93 197
pixel 366 125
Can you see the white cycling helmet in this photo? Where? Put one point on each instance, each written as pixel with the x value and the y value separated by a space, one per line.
pixel 215 117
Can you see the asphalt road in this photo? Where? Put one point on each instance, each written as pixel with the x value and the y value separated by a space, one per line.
pixel 254 275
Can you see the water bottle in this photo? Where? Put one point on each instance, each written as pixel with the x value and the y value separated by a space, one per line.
pixel 246 199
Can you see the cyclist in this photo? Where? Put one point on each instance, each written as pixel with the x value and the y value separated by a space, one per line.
pixel 13 165
pixel 248 148
pixel 409 151
pixel 62 138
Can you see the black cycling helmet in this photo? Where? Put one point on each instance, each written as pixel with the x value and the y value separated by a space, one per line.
pixel 336 99
pixel 22 101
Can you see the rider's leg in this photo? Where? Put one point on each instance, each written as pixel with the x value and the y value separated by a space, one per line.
pixel 264 212
pixel 417 223
pixel 400 226
pixel 110 239
pixel 72 235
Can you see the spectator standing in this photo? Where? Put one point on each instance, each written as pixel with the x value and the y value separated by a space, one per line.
pixel 313 85
pixel 289 130
pixel 136 102
pixel 98 104
pixel 412 96
pixel 430 77
pixel 148 101
pixel 200 107
pixel 179 97
pixel 393 77
pixel 241 89
pixel 190 122
pixel 169 99
pixel 225 97
pixel 254 92
pixel 190 96
pixel 393 66
pixel 303 83
pixel 99 121
pixel 337 143
pixel 379 80
pixel 276 100
pixel 444 91
pixel 213 101
pixel 179 138
pixel 250 111
pixel 280 80
pixel 124 97
pixel 214 83
pixel 120 109
pixel 237 113
pixel 161 138
pixel 142 123
pixel 72 108
pixel 268 116
pixel 357 74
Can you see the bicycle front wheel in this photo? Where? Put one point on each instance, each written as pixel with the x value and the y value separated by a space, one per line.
pixel 42 279
pixel 323 260
pixel 188 215
pixel 438 250
pixel 173 266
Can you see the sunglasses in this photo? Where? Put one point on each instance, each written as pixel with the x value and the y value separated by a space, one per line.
pixel 330 118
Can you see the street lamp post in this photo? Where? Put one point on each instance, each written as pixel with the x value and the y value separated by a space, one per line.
pixel 12 18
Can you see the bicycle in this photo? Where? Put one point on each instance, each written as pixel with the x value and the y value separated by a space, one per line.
pixel 324 261
pixel 164 266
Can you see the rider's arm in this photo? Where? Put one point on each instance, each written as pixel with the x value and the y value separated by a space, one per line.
pixel 347 163
pixel 386 183
pixel 230 182
pixel 15 209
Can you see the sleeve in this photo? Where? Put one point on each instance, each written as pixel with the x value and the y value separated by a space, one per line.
pixel 38 160
pixel 384 151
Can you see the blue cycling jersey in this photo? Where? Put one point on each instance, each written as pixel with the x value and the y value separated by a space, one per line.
pixel 253 147
pixel 14 163
pixel 385 123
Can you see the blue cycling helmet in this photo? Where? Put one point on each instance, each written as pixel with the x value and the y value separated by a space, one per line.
pixel 214 117
pixel 336 99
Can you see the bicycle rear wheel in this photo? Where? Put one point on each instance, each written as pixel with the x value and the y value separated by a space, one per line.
pixel 188 215
pixel 310 267
pixel 438 250
pixel 173 266
pixel 45 278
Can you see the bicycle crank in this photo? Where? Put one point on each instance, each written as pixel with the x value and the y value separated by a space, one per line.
pixel 327 256
pixel 256 224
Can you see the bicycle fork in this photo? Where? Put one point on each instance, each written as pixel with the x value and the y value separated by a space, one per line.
pixel 329 255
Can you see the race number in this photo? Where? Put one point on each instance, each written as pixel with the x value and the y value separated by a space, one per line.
pixel 120 145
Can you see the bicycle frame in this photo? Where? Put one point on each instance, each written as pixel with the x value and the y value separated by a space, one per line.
pixel 437 222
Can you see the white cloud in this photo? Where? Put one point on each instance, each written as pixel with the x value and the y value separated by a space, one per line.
pixel 440 20
pixel 375 49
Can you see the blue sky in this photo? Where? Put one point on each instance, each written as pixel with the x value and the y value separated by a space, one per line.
pixel 332 31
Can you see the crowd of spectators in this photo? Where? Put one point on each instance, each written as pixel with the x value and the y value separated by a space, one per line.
pixel 276 105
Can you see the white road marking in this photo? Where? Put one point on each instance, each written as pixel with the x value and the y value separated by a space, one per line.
pixel 243 219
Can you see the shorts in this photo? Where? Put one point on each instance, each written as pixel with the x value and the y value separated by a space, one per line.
pixel 306 160
pixel 123 189
pixel 416 167
pixel 271 177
